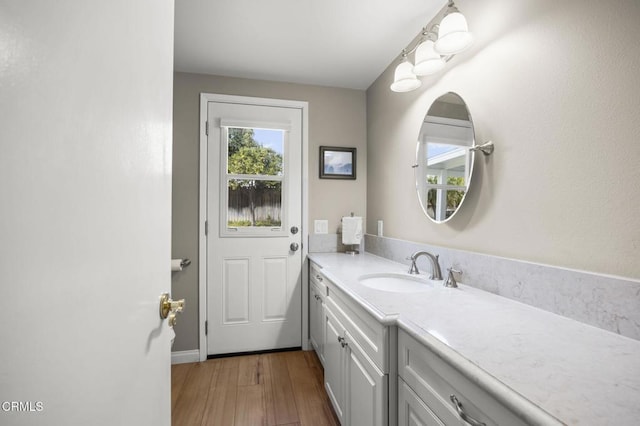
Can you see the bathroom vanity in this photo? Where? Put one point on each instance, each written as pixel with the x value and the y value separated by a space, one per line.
pixel 460 356
pixel 354 348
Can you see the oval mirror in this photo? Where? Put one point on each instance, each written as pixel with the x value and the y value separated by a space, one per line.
pixel 444 160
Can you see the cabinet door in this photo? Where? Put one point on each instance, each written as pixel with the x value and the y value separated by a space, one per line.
pixel 366 388
pixel 316 318
pixel 334 365
pixel 412 411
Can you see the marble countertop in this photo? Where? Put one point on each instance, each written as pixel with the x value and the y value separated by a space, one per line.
pixel 527 358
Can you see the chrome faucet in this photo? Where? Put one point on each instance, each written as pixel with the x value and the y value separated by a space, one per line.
pixel 435 266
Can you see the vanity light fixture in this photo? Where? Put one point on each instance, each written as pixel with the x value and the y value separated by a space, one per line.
pixel 453 33
pixel 405 79
pixel 435 47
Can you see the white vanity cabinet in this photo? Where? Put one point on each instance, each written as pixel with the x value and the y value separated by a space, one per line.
pixel 356 360
pixel 356 387
pixel 426 358
pixel 317 295
pixel 428 388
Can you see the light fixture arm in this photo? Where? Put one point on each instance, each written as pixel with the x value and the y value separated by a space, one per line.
pixel 451 8
pixel 425 35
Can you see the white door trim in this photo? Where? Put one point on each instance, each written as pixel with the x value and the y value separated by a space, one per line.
pixel 205 98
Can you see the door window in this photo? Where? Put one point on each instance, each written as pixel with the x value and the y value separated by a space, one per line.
pixel 253 181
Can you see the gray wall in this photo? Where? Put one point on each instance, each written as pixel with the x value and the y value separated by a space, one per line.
pixel 556 86
pixel 336 117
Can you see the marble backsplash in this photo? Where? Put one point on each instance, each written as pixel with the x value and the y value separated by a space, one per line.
pixel 608 302
pixel 329 243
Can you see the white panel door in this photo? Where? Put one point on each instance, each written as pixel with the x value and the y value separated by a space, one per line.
pixel 254 217
pixel 85 211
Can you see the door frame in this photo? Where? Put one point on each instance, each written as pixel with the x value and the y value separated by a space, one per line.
pixel 205 98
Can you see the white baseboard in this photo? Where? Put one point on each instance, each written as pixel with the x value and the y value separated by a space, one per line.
pixel 182 357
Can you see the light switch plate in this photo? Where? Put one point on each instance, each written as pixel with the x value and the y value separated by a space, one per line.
pixel 321 226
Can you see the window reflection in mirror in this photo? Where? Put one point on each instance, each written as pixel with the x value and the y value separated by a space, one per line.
pixel 444 161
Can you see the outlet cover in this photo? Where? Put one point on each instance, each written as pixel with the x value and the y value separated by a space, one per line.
pixel 321 226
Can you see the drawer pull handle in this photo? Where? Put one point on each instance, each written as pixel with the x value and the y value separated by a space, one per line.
pixel 317 297
pixel 340 339
pixel 319 277
pixel 464 416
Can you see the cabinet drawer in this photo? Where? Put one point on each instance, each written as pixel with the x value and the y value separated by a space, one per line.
pixel 316 277
pixel 371 336
pixel 319 289
pixel 434 381
pixel 411 410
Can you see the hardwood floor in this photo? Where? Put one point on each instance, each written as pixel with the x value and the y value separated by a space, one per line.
pixel 284 388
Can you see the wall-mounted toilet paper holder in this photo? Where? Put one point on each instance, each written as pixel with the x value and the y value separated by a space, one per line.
pixel 179 264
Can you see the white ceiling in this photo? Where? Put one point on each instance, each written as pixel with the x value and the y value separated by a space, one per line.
pixel 339 43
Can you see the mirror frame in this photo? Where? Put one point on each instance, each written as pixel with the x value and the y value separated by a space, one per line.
pixel 418 167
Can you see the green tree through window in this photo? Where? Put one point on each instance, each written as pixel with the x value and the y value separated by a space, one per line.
pixel 454 197
pixel 246 156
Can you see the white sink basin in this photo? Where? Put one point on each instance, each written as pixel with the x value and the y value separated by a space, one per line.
pixel 396 282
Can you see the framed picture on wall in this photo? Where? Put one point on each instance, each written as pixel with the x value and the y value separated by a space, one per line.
pixel 337 162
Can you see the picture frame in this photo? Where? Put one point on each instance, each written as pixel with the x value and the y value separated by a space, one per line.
pixel 337 162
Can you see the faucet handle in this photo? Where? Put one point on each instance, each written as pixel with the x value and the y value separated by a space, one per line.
pixel 451 280
pixel 414 268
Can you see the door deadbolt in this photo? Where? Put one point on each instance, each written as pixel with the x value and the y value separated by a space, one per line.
pixel 294 230
pixel 294 246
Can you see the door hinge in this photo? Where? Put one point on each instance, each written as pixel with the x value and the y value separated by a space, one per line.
pixel 206 227
pixel 206 328
pixel 206 128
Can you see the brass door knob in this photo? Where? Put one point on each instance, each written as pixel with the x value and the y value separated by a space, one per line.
pixel 167 305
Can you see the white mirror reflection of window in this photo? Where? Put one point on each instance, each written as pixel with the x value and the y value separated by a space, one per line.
pixel 444 161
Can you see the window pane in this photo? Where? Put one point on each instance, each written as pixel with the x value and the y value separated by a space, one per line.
pixel 446 160
pixel 254 203
pixel 454 197
pixel 435 150
pixel 442 208
pixel 255 151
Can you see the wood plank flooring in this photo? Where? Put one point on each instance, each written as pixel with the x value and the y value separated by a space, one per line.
pixel 283 388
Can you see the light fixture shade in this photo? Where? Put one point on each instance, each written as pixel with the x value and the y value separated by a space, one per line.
pixel 404 79
pixel 428 61
pixel 453 34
